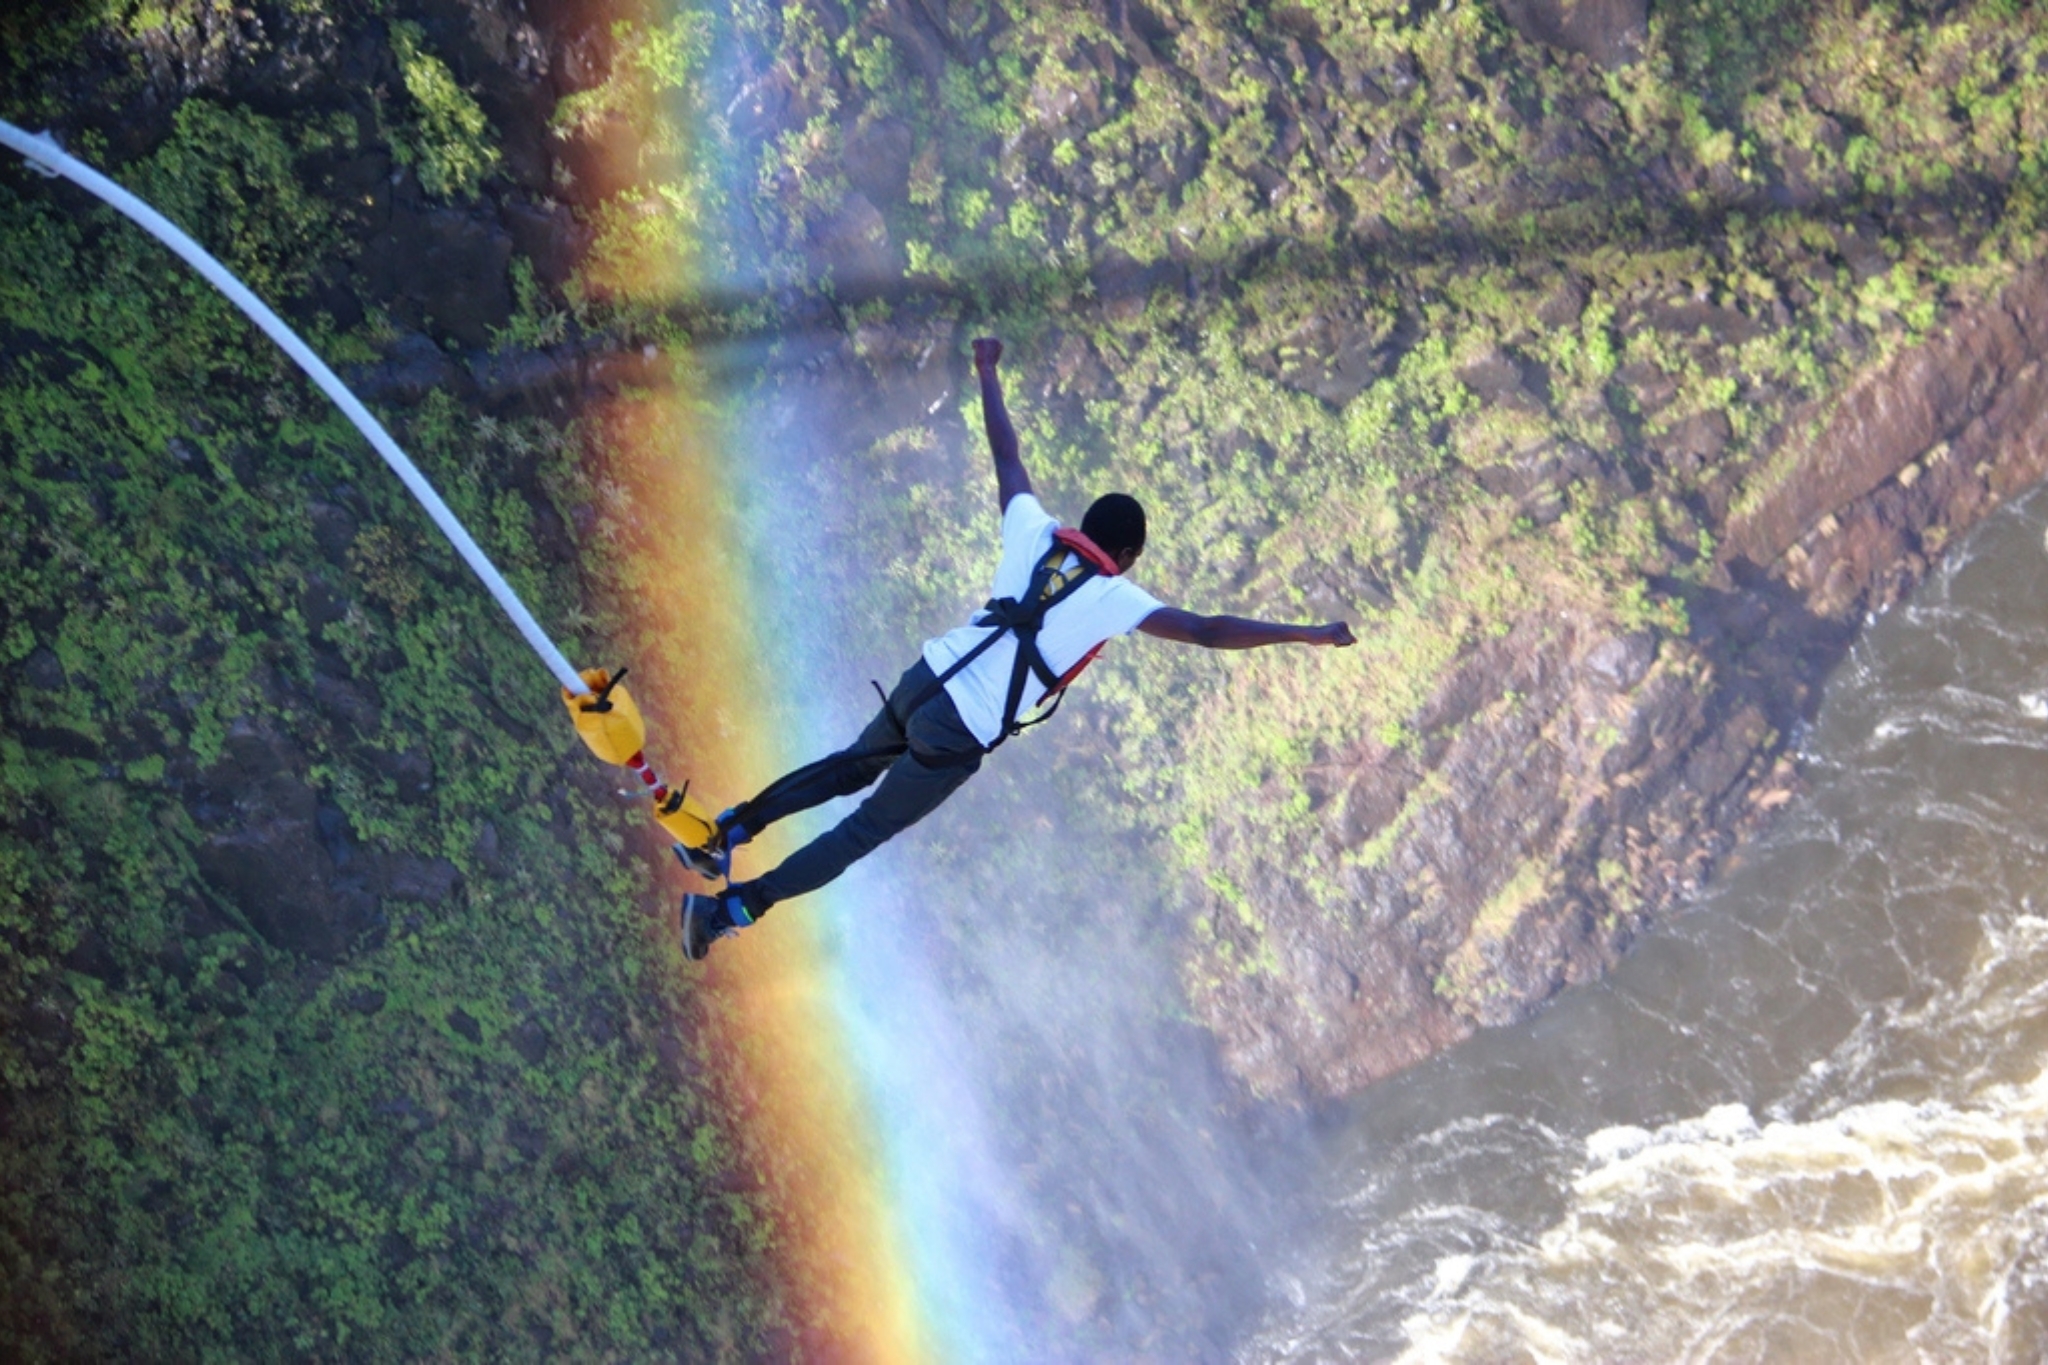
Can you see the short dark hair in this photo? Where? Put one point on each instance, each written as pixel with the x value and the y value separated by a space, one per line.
pixel 1116 523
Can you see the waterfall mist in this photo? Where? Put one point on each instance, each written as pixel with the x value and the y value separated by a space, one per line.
pixel 1076 1177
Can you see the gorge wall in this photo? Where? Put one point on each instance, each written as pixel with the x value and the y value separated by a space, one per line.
pixel 1624 766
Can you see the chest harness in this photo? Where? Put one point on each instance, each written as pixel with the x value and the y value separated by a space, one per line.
pixel 1052 583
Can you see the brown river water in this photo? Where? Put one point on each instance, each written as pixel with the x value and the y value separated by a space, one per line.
pixel 1805 1121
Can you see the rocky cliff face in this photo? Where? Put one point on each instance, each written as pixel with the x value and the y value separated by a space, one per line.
pixel 1577 783
pixel 1607 362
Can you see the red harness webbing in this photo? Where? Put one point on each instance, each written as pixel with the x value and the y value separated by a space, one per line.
pixel 1094 554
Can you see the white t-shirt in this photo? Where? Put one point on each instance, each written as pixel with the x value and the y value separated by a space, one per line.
pixel 1100 609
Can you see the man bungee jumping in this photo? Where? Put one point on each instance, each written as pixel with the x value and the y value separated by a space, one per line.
pixel 1059 595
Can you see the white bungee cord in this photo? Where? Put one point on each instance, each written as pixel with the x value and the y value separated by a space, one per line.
pixel 45 157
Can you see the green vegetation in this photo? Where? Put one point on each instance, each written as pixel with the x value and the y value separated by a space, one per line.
pixel 471 1126
pixel 449 141
pixel 664 225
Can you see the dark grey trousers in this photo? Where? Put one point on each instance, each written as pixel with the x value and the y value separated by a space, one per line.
pixel 920 755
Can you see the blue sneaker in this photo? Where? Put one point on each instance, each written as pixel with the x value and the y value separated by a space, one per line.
pixel 713 862
pixel 706 919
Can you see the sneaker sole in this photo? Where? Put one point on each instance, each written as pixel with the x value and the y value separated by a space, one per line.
pixel 703 862
pixel 693 905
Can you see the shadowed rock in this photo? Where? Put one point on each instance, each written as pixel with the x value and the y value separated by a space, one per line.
pixel 287 860
pixel 853 247
pixel 1611 32
pixel 448 269
pixel 878 160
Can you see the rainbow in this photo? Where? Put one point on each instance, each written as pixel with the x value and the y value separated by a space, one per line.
pixel 768 1004
pixel 902 1233
pixel 766 1001
pixel 869 1151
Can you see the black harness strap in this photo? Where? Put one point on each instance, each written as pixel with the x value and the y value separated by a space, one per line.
pixel 1021 618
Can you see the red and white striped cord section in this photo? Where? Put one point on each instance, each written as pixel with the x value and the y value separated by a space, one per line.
pixel 648 777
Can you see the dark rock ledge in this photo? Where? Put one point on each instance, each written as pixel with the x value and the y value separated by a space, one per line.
pixel 1572 782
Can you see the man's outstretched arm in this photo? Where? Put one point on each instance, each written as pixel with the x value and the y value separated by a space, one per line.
pixel 1238 632
pixel 1002 437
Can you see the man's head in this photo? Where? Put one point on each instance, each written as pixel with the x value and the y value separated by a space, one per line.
pixel 1116 523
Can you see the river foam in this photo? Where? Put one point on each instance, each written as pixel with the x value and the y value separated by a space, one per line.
pixel 1889 1230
